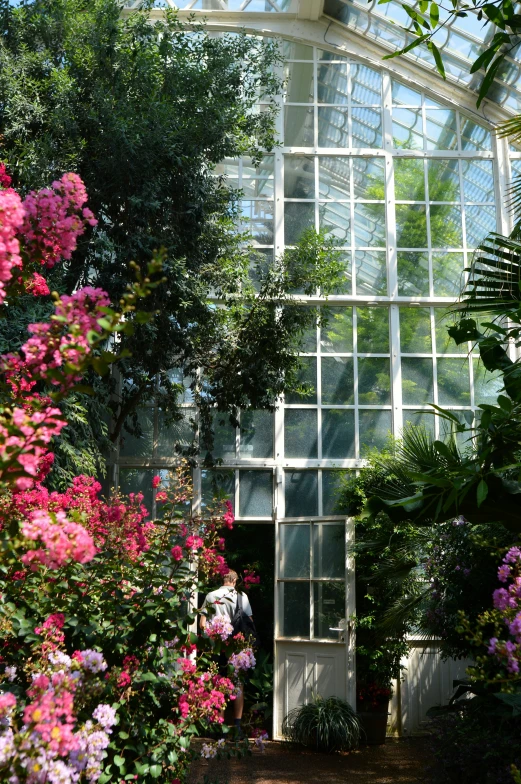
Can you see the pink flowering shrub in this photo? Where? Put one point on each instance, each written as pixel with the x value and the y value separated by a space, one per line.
pixel 41 736
pixel 97 602
pixel 218 626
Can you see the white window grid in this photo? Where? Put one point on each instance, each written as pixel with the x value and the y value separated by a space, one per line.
pixel 467 160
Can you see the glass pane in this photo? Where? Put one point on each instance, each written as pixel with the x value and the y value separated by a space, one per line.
pixel 418 419
pixel 323 54
pixel 374 381
pixel 298 126
pixel 371 272
pixel 366 85
pixel 307 376
pixel 441 129
pixel 373 330
pixel 407 129
pixel 295 550
pixel 298 216
pixel 261 260
pixel 447 274
pixel 255 493
pixel 443 176
pixel 370 225
pixel 336 337
pixel 139 445
pixel 309 341
pixel 293 51
pixel 480 221
pixel 366 128
pixel 345 285
pixel 404 96
pixel 335 220
pixel 444 343
pixel 369 178
pixel 474 136
pixel 176 376
pixel 257 188
pixel 299 177
pixel 487 386
pixel 263 170
pixel 300 433
pixel 413 274
pixel 446 229
pixel 411 226
pixel 299 87
pixel 337 381
pixel 417 385
pixel 375 429
pixel 301 493
pixel 409 179
pixel 257 219
pixel 180 433
pixel 256 434
pixel 478 181
pixel 331 482
pixel 136 480
pixel 329 550
pixel 295 610
pixel 415 331
pixel 338 433
pixel 333 177
pixel 333 127
pixel 224 437
pixel 332 83
pixel 329 610
pixel 453 382
pixel 217 484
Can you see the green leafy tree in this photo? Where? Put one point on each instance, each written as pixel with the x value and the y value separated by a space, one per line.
pixel 143 110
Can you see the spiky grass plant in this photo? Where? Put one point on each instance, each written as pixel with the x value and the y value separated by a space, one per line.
pixel 329 724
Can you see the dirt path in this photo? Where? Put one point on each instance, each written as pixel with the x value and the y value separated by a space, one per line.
pixel 398 762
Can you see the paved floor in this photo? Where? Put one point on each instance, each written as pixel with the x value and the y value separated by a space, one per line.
pixel 398 762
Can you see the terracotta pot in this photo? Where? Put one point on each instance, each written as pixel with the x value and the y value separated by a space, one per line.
pixel 374 724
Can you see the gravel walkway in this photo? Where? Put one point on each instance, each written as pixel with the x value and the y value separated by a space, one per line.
pixel 397 762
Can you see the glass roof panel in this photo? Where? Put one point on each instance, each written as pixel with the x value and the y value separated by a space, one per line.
pixel 461 41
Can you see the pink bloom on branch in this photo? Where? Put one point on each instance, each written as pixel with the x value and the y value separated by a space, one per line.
pixel 37 286
pixel 63 541
pixel 5 179
pixel 11 219
pixel 7 701
pixel 228 517
pixel 177 552
pixel 156 481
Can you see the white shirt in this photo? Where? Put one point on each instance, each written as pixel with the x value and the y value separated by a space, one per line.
pixel 224 599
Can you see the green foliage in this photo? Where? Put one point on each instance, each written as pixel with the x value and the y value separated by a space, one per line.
pixel 426 24
pixel 326 724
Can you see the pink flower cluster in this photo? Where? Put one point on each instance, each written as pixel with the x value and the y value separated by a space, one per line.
pixel 11 219
pixel 24 440
pixel 116 524
pixel 250 578
pixel 244 660
pixel 218 627
pixel 228 517
pixel 62 540
pixel 508 602
pixel 55 218
pixel 5 179
pixel 205 697
pixel 49 747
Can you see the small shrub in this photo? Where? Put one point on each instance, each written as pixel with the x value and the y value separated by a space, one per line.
pixel 328 724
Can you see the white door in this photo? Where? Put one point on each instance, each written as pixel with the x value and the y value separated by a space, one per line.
pixel 314 602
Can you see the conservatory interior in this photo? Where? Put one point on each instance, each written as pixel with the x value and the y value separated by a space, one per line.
pixel 402 170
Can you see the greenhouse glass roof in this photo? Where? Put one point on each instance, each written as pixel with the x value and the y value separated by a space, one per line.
pixel 461 40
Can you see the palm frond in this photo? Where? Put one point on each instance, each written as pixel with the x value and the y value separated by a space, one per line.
pixel 494 278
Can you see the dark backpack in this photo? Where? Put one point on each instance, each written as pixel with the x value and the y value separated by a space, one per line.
pixel 243 624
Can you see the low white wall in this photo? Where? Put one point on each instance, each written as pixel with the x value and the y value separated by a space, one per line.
pixel 426 681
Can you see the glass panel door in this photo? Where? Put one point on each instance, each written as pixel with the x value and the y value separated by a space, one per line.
pixel 311 580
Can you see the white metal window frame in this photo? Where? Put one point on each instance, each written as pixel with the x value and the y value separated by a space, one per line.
pixel 312 34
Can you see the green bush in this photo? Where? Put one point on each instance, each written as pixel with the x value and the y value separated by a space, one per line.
pixel 327 724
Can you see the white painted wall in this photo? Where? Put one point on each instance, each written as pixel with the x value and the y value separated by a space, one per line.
pixel 426 681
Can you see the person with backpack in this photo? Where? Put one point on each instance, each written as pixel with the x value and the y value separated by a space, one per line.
pixel 235 606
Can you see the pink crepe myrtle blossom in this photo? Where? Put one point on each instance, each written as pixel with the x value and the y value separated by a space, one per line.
pixel 156 481
pixel 244 660
pixel 63 541
pixel 177 552
pixel 54 219
pixel 11 219
pixel 218 626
